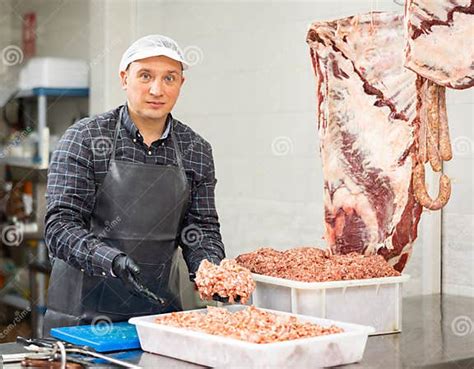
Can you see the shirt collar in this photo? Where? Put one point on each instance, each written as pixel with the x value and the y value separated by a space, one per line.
pixel 133 130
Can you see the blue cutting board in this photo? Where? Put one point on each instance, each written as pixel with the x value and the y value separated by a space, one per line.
pixel 106 338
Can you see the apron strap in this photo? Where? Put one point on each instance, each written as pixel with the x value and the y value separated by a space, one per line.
pixel 179 159
pixel 117 131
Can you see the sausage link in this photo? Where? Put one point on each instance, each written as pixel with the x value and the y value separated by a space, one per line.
pixel 422 118
pixel 445 149
pixel 421 194
pixel 433 127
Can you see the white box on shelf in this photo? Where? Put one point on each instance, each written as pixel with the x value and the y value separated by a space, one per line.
pixel 376 302
pixel 222 352
pixel 51 72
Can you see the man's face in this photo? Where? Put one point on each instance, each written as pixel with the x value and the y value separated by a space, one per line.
pixel 152 86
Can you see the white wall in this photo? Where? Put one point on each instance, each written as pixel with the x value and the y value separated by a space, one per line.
pixel 6 85
pixel 112 29
pixel 5 43
pixel 252 95
pixel 458 215
pixel 62 26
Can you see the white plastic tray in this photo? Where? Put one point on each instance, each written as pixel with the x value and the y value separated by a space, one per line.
pixel 375 302
pixel 215 351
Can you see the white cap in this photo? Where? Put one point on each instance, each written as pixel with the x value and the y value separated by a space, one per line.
pixel 152 45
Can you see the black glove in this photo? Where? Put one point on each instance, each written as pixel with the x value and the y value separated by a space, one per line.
pixel 225 300
pixel 129 273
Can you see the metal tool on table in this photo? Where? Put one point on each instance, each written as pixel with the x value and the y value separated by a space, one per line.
pixel 46 364
pixel 51 349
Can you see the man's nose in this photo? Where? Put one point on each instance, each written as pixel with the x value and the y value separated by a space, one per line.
pixel 156 87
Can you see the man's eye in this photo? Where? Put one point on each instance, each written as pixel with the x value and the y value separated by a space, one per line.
pixel 145 76
pixel 170 78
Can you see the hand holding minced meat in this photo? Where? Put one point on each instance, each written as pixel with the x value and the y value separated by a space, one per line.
pixel 228 280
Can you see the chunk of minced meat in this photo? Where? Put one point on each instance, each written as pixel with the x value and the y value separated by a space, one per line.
pixel 251 324
pixel 311 264
pixel 228 279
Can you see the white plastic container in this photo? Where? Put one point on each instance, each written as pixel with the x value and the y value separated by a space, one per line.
pixel 54 73
pixel 376 302
pixel 215 351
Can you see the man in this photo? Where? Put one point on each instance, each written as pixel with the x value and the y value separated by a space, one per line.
pixel 124 189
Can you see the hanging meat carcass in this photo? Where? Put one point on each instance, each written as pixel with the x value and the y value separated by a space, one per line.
pixel 368 130
pixel 439 41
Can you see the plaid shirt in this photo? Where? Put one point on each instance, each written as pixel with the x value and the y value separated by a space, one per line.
pixel 78 167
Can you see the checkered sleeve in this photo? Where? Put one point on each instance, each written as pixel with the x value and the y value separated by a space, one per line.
pixel 200 234
pixel 70 200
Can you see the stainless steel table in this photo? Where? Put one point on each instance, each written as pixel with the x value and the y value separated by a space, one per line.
pixel 438 333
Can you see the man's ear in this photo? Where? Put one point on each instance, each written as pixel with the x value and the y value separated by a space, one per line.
pixel 182 80
pixel 124 79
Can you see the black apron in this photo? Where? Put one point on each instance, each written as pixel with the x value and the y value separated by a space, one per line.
pixel 139 209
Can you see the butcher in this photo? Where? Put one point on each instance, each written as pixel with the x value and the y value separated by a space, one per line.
pixel 125 189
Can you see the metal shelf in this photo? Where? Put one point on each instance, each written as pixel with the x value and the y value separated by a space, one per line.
pixel 41 94
pixel 47 91
pixel 29 231
pixel 26 163
pixel 37 172
pixel 26 170
pixel 15 301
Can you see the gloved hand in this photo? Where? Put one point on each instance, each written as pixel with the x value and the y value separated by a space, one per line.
pixel 129 272
pixel 225 300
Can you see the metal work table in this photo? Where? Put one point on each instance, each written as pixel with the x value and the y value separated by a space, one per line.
pixel 438 333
